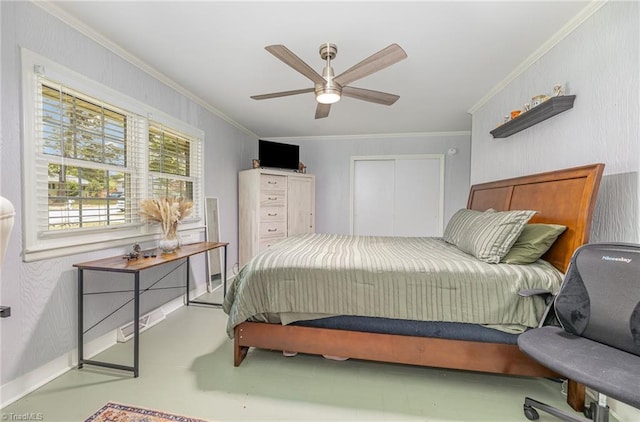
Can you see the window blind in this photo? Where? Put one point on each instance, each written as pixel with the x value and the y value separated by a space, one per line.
pixel 89 158
pixel 175 166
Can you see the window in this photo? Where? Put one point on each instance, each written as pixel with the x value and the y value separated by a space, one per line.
pixel 91 156
pixel 84 146
pixel 169 163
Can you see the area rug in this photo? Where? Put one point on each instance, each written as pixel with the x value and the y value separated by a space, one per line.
pixel 114 412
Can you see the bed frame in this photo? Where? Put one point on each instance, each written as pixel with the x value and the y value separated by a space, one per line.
pixel 564 197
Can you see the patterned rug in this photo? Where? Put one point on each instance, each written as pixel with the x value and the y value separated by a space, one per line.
pixel 114 412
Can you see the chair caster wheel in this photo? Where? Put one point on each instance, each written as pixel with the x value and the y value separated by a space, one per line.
pixel 531 413
pixel 588 411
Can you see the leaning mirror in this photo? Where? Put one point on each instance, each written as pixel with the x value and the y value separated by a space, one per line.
pixel 213 235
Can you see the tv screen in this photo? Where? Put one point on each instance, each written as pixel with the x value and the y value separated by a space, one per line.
pixel 277 155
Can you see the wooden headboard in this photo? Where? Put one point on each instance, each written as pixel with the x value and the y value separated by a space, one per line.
pixel 565 197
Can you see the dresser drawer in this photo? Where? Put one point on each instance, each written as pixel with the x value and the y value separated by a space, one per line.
pixel 267 243
pixel 273 199
pixel 272 214
pixel 270 182
pixel 273 229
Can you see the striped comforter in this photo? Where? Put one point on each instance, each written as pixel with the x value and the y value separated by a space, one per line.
pixel 407 278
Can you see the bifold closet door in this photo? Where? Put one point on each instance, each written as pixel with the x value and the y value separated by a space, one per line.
pixel 398 196
pixel 373 186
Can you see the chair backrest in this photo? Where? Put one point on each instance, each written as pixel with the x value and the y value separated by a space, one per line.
pixel 600 296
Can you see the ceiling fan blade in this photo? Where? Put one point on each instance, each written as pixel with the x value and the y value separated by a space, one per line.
pixel 322 110
pixel 378 61
pixel 287 56
pixel 281 94
pixel 369 95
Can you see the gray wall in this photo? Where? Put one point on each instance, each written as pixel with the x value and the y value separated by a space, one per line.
pixel 329 159
pixel 599 63
pixel 42 294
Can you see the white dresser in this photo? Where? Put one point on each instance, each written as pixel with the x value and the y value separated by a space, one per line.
pixel 273 204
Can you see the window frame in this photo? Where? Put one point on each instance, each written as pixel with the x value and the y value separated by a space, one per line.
pixel 39 244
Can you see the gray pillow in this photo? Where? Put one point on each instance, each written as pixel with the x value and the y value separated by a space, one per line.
pixel 490 235
pixel 458 224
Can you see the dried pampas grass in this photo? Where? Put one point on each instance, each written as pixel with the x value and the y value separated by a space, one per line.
pixel 166 211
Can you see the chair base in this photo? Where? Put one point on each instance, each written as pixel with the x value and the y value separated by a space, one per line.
pixel 595 412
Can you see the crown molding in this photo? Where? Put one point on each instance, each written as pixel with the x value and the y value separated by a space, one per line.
pixel 370 136
pixel 85 29
pixel 567 29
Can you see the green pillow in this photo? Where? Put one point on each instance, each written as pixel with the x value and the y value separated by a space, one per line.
pixel 534 241
pixel 490 235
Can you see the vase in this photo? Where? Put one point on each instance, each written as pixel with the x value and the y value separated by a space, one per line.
pixel 168 243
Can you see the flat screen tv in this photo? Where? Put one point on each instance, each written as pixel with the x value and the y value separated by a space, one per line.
pixel 277 155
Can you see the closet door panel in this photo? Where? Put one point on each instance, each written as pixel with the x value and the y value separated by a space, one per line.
pixel 417 193
pixel 373 188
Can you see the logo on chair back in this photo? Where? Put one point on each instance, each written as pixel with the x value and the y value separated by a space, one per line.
pixel 616 258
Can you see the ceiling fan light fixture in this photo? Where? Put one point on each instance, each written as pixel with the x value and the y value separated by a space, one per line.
pixel 328 92
pixel 327 95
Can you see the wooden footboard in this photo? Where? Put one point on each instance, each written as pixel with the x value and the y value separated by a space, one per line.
pixel 422 351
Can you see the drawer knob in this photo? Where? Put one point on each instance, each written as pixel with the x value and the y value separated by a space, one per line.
pixel 272 198
pixel 272 230
pixel 270 182
pixel 272 214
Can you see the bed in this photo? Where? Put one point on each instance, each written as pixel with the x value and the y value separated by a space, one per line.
pixel 564 197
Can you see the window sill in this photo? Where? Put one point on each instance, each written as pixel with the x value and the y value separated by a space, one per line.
pixel 58 251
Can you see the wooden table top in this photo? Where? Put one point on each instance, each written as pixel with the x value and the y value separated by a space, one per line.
pixel 121 264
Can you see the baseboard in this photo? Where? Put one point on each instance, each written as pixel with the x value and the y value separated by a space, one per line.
pixel 18 388
pixel 29 382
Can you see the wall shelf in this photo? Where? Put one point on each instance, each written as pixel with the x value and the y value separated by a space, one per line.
pixel 549 108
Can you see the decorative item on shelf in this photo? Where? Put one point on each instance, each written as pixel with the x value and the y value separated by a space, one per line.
pixel 134 254
pixel 302 168
pixel 255 163
pixel 168 244
pixel 538 99
pixel 168 212
pixel 515 113
pixel 558 90
pixel 526 108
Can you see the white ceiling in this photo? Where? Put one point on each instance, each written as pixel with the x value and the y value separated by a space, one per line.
pixel 458 52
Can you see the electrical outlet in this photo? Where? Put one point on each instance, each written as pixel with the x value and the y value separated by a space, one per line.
pixel 5 311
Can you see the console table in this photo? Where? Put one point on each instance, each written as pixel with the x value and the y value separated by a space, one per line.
pixel 121 264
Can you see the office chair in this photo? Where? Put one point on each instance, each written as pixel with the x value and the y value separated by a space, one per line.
pixel 598 342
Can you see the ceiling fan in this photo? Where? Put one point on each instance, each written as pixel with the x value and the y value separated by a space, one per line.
pixel 329 88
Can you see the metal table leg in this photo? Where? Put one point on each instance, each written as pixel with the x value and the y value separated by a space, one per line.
pixel 80 317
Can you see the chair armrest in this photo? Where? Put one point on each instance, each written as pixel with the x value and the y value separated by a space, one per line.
pixel 533 292
pixel 548 297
